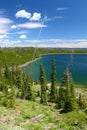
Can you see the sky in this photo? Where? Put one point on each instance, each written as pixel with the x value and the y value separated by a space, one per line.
pixel 45 23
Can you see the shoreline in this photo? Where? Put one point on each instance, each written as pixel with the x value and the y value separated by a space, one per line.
pixel 29 62
pixel 62 54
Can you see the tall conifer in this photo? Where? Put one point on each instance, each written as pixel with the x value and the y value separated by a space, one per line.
pixel 70 98
pixel 43 85
pixel 67 98
pixel 7 72
pixel 53 93
pixel 29 93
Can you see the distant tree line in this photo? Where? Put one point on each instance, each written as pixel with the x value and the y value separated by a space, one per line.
pixel 20 55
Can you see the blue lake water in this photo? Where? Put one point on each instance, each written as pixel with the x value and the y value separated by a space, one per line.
pixel 76 62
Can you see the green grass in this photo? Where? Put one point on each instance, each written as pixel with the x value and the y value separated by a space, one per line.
pixel 34 116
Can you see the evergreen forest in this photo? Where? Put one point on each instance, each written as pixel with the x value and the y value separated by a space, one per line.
pixel 25 104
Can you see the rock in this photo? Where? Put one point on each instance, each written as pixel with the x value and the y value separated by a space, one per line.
pixel 76 123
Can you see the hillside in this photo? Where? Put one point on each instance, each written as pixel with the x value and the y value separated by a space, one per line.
pixel 29 115
pixel 26 105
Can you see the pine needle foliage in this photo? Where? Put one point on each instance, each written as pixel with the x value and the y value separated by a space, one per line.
pixel 53 93
pixel 67 97
pixel 43 85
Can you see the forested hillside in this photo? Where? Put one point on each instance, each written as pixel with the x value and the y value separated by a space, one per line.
pixel 18 56
pixel 26 105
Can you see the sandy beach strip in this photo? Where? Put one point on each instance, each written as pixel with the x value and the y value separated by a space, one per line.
pixel 29 62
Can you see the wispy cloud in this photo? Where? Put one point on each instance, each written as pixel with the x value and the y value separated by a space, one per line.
pixel 21 32
pixel 2 11
pixel 4 25
pixel 19 6
pixel 47 19
pixel 59 43
pixel 51 43
pixel 61 9
pixel 30 25
pixel 10 43
pixel 3 37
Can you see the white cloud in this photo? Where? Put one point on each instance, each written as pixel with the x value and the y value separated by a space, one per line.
pixel 13 27
pixel 36 17
pixel 23 36
pixel 4 25
pixel 28 25
pixel 18 32
pixel 31 25
pixel 5 20
pixel 21 32
pixel 23 14
pixel 58 43
pixel 2 37
pixel 61 9
pixel 33 41
pixel 9 43
pixel 51 43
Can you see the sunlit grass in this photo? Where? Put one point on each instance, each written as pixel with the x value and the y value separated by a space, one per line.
pixel 34 116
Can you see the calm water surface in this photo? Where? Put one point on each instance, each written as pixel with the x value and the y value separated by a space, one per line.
pixel 76 62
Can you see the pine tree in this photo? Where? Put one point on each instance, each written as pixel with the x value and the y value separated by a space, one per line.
pixel 62 90
pixel 61 97
pixel 53 93
pixel 13 73
pixel 65 78
pixel 73 93
pixel 0 70
pixel 29 93
pixel 8 99
pixel 70 99
pixel 19 81
pixel 82 102
pixel 67 98
pixel 43 85
pixel 24 86
pixel 7 72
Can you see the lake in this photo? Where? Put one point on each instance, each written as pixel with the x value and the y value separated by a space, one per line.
pixel 76 62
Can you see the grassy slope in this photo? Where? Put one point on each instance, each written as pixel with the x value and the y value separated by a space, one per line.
pixel 34 116
pixel 29 115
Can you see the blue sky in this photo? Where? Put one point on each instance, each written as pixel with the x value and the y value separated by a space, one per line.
pixel 48 23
